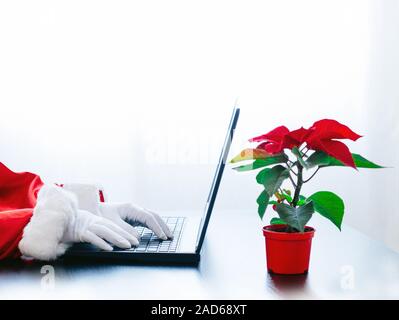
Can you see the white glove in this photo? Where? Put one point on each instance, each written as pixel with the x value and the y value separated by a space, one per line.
pixel 57 222
pixel 119 213
pixel 122 213
pixel 87 227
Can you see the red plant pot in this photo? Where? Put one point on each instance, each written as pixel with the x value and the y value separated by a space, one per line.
pixel 287 253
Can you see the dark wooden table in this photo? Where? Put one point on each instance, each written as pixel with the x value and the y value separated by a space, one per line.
pixel 346 265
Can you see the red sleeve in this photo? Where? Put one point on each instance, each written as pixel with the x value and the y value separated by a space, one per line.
pixel 18 193
pixel 12 224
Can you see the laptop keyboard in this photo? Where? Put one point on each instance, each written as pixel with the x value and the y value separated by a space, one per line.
pixel 149 242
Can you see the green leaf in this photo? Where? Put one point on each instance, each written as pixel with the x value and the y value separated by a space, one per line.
pixel 302 200
pixel 329 205
pixel 287 197
pixel 260 163
pixel 283 196
pixel 287 191
pixel 299 155
pixel 248 154
pixel 362 162
pixel 319 159
pixel 272 178
pixel 295 217
pixel 262 201
pixel 276 221
pixel 322 159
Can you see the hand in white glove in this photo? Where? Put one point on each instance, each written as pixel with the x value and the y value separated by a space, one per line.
pixel 57 222
pixel 120 213
pixel 123 213
pixel 87 227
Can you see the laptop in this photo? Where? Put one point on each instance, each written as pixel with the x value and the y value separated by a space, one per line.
pixel 188 232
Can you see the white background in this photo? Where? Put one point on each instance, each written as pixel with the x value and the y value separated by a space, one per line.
pixel 136 95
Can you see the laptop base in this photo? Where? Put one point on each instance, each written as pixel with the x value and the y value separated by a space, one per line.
pixel 85 255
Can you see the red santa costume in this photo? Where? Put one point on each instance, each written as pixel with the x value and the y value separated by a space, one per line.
pixel 41 221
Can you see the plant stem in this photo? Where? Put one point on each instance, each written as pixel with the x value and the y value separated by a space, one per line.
pixel 292 181
pixel 304 154
pixel 314 173
pixel 298 184
pixel 305 147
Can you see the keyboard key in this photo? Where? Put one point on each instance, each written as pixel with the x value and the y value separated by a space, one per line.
pixel 149 242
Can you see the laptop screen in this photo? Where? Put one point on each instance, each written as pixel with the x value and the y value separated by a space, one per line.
pixel 217 178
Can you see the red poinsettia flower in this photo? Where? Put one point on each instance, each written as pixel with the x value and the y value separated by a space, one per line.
pixel 272 142
pixel 296 138
pixel 320 136
pixel 281 138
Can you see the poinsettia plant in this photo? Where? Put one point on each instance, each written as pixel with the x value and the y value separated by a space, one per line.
pixel 310 150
